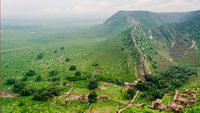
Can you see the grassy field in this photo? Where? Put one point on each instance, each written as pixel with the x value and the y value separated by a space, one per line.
pixel 19 55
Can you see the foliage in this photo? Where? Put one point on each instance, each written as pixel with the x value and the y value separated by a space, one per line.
pixel 95 64
pixel 92 97
pixel 18 87
pixel 67 59
pixel 131 92
pixel 76 78
pixel 62 48
pixel 78 73
pixel 38 78
pixel 25 78
pixel 93 85
pixel 10 81
pixel 55 51
pixel 30 73
pixel 72 67
pixel 40 56
pixel 45 93
pixel 55 79
pixel 173 78
pixel 26 92
pixel 53 73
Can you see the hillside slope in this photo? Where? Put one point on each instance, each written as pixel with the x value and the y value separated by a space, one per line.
pixel 123 20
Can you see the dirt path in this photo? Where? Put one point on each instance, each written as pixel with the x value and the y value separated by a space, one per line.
pixel 67 93
pixel 14 49
pixel 7 94
pixel 193 44
pixel 129 104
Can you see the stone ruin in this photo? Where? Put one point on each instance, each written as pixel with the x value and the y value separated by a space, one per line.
pixel 130 84
pixel 104 98
pixel 82 98
pixel 158 104
pixel 182 99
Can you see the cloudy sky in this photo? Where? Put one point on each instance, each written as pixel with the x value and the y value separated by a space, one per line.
pixel 88 9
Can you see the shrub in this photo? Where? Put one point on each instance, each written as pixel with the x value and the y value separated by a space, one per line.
pixel 10 81
pixel 18 87
pixel 157 85
pixel 131 92
pixel 21 103
pixel 38 78
pixel 93 85
pixel 62 48
pixel 72 67
pixel 40 56
pixel 41 96
pixel 53 73
pixel 27 92
pixel 95 64
pixel 92 97
pixel 54 91
pixel 127 96
pixel 76 78
pixel 78 73
pixel 30 73
pixel 55 51
pixel 45 93
pixel 24 78
pixel 55 79
pixel 67 59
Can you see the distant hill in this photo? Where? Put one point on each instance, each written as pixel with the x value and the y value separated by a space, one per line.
pixel 123 20
pixel 164 38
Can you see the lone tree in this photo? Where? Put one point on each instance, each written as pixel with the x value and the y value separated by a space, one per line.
pixel 38 78
pixel 10 81
pixel 67 60
pixel 62 48
pixel 92 97
pixel 30 73
pixel 78 73
pixel 131 92
pixel 40 55
pixel 55 51
pixel 27 92
pixel 93 85
pixel 53 73
pixel 18 87
pixel 72 67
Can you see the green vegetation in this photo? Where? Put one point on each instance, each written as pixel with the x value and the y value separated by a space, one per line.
pixel 72 67
pixel 42 64
pixel 30 73
pixel 41 55
pixel 93 85
pixel 10 81
pixel 131 92
pixel 92 97
pixel 156 86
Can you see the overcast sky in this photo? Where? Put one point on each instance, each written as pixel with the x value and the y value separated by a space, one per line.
pixel 88 9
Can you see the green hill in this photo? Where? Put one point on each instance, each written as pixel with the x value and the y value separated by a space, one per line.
pixel 123 20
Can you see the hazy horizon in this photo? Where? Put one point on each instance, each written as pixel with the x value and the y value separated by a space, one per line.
pixel 87 10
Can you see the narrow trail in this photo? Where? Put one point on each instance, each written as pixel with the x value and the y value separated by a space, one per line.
pixel 67 93
pixel 129 104
pixel 2 51
pixel 142 67
pixel 193 44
